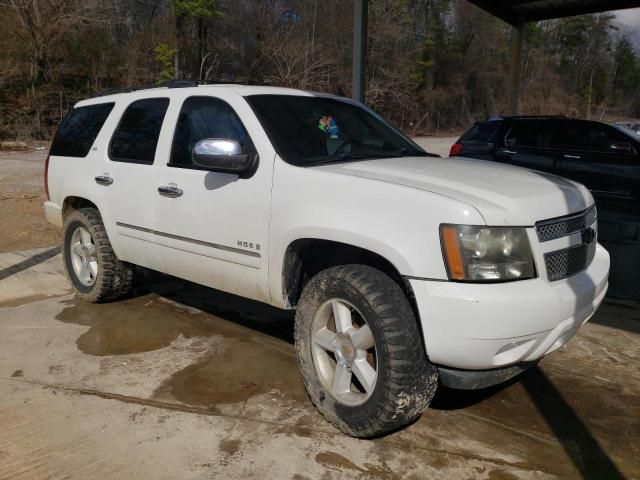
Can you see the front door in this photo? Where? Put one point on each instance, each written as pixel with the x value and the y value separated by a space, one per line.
pixel 605 161
pixel 212 228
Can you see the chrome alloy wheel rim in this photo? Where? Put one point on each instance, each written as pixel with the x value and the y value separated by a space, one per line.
pixel 83 256
pixel 344 352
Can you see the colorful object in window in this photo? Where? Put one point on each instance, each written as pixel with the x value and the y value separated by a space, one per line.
pixel 328 125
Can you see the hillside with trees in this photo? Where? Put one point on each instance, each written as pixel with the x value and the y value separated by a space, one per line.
pixel 433 65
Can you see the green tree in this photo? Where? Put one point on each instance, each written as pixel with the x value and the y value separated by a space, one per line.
pixel 166 55
pixel 627 67
pixel 200 11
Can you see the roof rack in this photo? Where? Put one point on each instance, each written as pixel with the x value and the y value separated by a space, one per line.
pixel 181 83
pixel 534 116
pixel 178 83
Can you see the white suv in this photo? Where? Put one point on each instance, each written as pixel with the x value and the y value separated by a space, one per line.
pixel 406 270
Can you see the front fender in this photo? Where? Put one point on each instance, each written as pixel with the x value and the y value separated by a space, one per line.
pixel 399 223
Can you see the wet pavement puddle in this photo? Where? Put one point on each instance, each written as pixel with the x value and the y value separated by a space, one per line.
pixel 244 364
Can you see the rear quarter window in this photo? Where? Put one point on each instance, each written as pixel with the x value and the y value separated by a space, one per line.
pixel 481 132
pixel 79 129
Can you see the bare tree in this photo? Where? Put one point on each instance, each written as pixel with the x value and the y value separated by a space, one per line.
pixel 41 22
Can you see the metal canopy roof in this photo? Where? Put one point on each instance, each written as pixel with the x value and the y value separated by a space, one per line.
pixel 517 12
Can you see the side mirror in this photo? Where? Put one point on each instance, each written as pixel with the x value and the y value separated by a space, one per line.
pixel 621 147
pixel 222 155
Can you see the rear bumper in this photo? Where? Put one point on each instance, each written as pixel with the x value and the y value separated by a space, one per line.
pixel 53 213
pixel 481 327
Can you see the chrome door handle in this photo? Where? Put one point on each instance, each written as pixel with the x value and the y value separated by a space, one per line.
pixel 104 180
pixel 509 152
pixel 577 157
pixel 168 191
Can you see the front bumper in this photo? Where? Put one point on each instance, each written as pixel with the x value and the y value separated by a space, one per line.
pixel 486 326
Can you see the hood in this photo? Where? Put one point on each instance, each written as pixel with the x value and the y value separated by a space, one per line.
pixel 503 194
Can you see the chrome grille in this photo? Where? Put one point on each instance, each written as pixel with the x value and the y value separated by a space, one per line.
pixel 563 226
pixel 564 263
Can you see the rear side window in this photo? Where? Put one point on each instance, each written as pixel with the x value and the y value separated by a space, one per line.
pixel 79 129
pixel 524 133
pixel 481 132
pixel 136 138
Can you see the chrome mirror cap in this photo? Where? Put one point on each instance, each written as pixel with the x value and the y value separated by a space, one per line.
pixel 217 146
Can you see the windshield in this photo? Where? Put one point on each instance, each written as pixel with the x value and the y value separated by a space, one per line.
pixel 309 131
pixel 627 130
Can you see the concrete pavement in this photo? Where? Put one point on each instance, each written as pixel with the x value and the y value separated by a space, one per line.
pixel 181 381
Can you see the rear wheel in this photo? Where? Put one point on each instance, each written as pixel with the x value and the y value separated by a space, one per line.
pixel 95 272
pixel 360 351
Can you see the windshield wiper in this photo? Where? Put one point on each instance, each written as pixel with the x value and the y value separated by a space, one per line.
pixel 405 152
pixel 347 157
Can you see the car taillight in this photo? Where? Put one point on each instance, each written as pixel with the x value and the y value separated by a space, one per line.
pixel 456 148
pixel 46 178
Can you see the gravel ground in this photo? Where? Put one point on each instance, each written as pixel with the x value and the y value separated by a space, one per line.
pixel 21 199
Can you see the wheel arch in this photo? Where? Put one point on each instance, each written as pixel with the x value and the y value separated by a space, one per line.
pixel 73 202
pixel 305 257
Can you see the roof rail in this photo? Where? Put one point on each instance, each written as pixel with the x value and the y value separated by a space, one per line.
pixel 181 83
pixel 534 116
pixel 178 83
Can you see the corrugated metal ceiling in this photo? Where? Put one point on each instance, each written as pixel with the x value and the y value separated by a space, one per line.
pixel 517 12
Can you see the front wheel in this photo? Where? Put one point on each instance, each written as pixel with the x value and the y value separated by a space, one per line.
pixel 360 351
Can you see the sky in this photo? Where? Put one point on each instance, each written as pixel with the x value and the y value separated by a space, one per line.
pixel 629 23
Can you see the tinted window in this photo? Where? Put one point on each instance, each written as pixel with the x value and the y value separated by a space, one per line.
pixel 205 117
pixel 481 132
pixel 580 135
pixel 524 133
pixel 79 129
pixel 315 130
pixel 602 137
pixel 136 137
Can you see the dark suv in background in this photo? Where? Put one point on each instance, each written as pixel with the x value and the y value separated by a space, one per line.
pixel 604 157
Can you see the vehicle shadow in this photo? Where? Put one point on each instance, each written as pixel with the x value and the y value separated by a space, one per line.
pixel 621 316
pixel 579 444
pixel 447 399
pixel 248 313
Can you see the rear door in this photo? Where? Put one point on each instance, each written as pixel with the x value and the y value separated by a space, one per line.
pixel 605 160
pixel 525 144
pixel 127 179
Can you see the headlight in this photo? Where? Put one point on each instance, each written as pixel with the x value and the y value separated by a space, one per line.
pixel 486 254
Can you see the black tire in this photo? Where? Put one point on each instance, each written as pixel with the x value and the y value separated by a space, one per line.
pixel 114 278
pixel 406 380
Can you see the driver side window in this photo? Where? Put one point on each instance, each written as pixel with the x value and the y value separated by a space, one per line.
pixel 201 118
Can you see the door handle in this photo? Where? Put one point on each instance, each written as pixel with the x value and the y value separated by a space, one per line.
pixel 508 152
pixel 105 180
pixel 169 191
pixel 576 157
